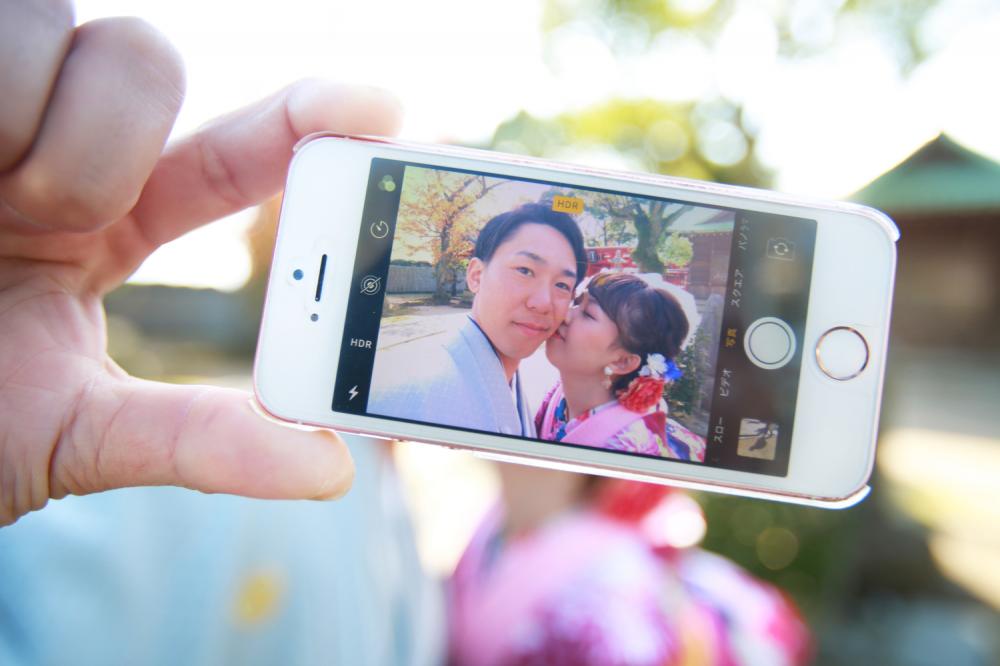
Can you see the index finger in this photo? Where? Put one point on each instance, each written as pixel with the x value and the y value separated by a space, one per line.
pixel 34 39
pixel 241 159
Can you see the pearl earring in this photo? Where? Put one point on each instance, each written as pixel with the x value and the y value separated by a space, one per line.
pixel 607 376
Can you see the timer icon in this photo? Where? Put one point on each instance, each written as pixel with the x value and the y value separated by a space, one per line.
pixel 379 229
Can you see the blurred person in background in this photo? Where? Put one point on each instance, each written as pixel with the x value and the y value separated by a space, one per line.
pixel 147 576
pixel 574 569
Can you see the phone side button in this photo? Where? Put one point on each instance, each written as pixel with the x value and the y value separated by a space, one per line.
pixel 842 353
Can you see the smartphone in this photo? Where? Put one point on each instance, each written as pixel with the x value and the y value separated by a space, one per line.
pixel 631 325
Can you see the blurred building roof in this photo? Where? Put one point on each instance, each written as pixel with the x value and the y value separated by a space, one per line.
pixel 941 176
pixel 704 220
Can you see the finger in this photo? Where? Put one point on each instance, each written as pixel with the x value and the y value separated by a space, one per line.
pixel 34 38
pixel 131 432
pixel 111 111
pixel 241 159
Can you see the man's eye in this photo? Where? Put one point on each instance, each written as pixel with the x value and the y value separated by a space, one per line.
pixel 524 270
pixel 565 287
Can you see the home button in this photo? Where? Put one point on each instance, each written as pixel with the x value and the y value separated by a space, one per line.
pixel 842 353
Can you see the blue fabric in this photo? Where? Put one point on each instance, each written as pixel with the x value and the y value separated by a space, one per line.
pixel 157 575
pixel 456 382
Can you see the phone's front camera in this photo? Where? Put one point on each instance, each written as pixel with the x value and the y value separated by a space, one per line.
pixel 298 274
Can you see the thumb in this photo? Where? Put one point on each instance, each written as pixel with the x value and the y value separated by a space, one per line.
pixel 133 432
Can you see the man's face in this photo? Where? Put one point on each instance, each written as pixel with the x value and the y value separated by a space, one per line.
pixel 523 292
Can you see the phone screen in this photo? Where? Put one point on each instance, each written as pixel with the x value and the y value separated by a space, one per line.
pixel 572 316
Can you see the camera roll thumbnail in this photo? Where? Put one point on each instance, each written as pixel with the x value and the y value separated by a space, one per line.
pixel 758 439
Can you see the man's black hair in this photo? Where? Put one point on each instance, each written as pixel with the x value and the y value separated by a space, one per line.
pixel 501 227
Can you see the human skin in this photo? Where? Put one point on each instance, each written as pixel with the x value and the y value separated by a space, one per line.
pixel 523 291
pixel 582 347
pixel 88 189
pixel 532 496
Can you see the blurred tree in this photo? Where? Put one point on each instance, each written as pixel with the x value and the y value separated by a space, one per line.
pixel 438 208
pixel 607 230
pixel 711 138
pixel 682 393
pixel 616 231
pixel 804 27
pixel 622 220
pixel 651 219
pixel 652 135
pixel 675 250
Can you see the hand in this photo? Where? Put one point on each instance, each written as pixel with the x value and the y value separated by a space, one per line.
pixel 87 191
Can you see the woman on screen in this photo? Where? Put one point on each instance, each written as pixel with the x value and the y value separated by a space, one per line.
pixel 615 355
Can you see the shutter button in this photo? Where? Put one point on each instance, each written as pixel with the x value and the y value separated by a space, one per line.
pixel 769 343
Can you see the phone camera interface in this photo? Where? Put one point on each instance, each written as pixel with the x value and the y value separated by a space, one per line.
pixel 487 303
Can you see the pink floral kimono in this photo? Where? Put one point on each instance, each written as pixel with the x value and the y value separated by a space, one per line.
pixel 585 589
pixel 612 426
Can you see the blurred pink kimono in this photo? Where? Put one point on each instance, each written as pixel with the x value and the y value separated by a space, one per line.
pixel 589 589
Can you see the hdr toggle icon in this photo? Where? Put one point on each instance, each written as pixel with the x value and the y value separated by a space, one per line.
pixel 370 285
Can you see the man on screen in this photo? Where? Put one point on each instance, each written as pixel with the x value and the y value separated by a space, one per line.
pixel 525 268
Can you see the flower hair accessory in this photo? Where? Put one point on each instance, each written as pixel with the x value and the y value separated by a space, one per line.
pixel 647 389
pixel 581 288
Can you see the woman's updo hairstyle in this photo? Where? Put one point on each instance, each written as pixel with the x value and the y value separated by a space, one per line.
pixel 649 319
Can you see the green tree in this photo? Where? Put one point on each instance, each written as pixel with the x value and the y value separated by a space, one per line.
pixel 609 229
pixel 675 250
pixel 682 394
pixel 650 218
pixel 677 138
pixel 437 208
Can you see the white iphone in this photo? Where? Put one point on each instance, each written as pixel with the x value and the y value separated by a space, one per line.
pixel 623 324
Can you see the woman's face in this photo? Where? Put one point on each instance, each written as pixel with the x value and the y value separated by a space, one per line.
pixel 586 342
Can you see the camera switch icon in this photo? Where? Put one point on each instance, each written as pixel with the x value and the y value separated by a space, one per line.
pixel 780 248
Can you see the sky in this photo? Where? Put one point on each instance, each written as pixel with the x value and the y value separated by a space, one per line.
pixel 461 68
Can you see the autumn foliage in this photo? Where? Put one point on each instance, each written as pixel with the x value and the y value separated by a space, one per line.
pixel 437 212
